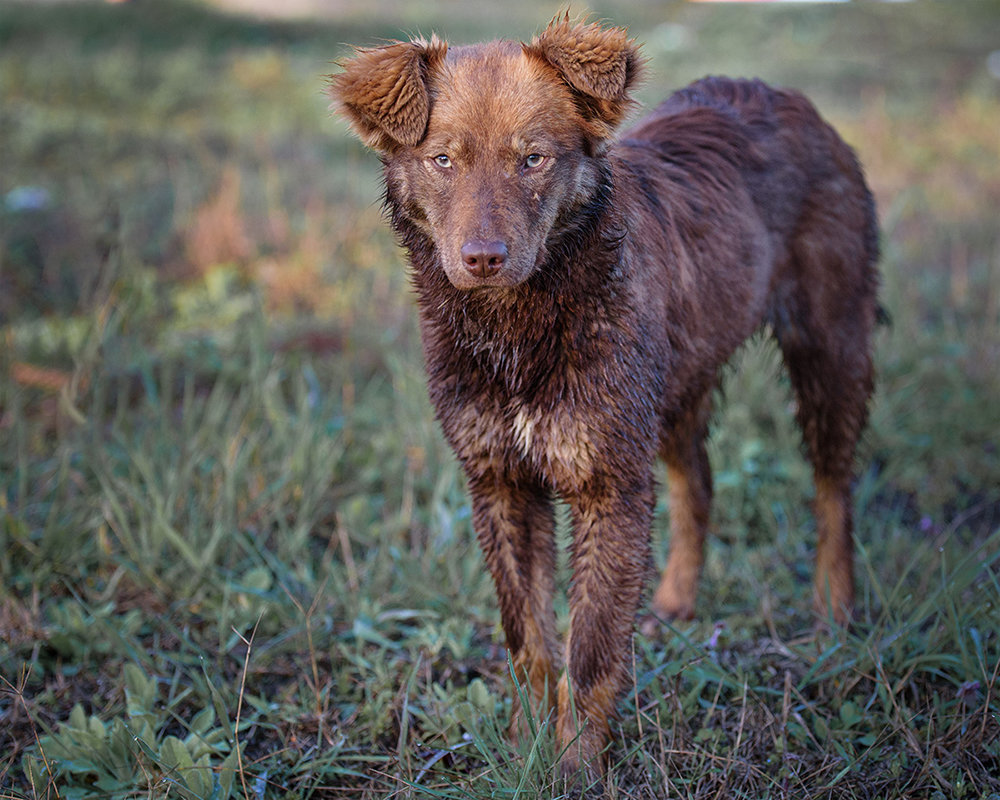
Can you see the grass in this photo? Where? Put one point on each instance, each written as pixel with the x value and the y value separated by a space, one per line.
pixel 235 554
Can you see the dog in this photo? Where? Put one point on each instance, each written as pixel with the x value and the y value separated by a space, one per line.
pixel 578 294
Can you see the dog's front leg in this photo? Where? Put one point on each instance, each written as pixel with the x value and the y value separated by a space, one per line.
pixel 611 530
pixel 515 523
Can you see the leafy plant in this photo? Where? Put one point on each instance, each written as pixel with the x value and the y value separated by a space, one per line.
pixel 86 754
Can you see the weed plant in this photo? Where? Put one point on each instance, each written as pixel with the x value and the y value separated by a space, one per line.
pixel 236 556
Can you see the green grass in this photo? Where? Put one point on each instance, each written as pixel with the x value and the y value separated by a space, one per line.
pixel 235 554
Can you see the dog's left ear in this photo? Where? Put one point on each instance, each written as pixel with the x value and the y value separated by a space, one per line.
pixel 599 65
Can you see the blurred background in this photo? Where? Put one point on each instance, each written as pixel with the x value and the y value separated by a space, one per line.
pixel 212 413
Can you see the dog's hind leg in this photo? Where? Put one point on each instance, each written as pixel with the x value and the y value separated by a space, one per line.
pixel 824 330
pixel 689 481
pixel 832 392
pixel 515 523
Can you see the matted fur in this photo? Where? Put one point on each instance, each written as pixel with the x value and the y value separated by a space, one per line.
pixel 578 295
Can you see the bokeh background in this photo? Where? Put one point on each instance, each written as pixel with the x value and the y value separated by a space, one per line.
pixel 235 555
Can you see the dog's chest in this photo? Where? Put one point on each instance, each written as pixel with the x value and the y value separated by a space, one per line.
pixel 559 444
pixel 546 402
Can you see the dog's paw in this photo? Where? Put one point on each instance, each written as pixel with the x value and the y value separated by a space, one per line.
pixel 579 780
pixel 650 625
pixel 663 611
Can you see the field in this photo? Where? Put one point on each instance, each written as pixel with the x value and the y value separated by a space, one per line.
pixel 235 554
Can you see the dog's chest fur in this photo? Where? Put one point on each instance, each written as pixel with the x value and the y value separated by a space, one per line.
pixel 540 380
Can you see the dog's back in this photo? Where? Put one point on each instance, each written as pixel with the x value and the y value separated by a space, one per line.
pixel 767 218
pixel 762 206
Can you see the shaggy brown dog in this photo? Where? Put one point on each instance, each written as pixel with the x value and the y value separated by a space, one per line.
pixel 578 295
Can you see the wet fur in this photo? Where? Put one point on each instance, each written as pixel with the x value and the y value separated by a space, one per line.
pixel 632 270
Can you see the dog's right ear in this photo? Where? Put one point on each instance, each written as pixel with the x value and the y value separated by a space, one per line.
pixel 383 92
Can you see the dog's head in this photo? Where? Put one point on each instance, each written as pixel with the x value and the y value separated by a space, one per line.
pixel 490 148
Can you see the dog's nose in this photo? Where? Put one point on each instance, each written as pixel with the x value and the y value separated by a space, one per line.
pixel 483 259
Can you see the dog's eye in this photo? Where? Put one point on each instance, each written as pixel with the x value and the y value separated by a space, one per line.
pixel 534 160
pixel 443 161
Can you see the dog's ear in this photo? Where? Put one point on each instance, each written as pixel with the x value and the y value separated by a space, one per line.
pixel 383 92
pixel 599 65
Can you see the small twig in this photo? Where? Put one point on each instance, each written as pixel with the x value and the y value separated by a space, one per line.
pixel 239 702
pixel 667 783
pixel 18 692
pixel 786 705
pixel 635 691
pixel 313 660
pixel 986 703
pixel 743 720
pixel 345 547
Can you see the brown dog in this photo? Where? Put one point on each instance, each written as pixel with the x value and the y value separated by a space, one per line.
pixel 577 297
